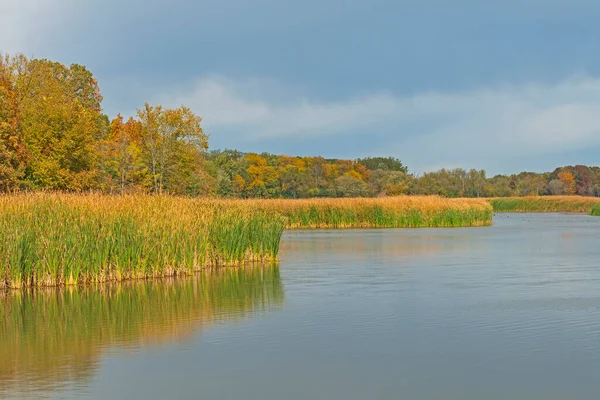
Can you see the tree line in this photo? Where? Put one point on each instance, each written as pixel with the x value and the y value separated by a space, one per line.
pixel 55 136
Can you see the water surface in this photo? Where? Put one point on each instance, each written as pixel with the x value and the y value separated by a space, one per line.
pixel 508 311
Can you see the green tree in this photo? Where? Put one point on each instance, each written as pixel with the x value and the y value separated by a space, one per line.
pixel 170 136
pixel 349 185
pixel 384 163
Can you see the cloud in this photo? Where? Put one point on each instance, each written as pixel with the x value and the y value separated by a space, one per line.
pixel 482 127
pixel 25 24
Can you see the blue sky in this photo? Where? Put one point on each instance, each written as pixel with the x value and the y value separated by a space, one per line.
pixel 504 86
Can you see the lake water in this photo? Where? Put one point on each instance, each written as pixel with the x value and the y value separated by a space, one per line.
pixel 510 311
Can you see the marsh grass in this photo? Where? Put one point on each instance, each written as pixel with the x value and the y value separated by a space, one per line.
pixel 596 210
pixel 58 239
pixel 578 204
pixel 387 212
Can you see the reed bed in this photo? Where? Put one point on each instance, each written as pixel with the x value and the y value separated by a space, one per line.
pixel 49 336
pixel 577 204
pixel 386 212
pixel 60 239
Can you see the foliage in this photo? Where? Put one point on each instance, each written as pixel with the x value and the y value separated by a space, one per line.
pixel 13 154
pixel 383 163
pixel 172 142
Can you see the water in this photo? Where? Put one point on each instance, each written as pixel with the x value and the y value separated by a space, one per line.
pixel 509 311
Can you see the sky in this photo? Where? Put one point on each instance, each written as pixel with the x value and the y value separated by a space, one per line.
pixel 504 86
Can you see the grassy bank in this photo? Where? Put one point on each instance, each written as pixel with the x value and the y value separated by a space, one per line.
pixel 56 335
pixel 388 212
pixel 49 240
pixel 596 210
pixel 545 204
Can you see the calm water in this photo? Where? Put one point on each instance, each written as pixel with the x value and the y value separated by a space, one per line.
pixel 506 312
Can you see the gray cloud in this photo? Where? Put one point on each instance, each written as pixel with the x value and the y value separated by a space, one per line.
pixel 428 130
pixel 426 54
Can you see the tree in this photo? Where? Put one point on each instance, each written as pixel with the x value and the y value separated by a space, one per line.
pixel 263 177
pixel 60 126
pixel 384 163
pixel 388 183
pixel 13 153
pixel 568 181
pixel 556 187
pixel 168 136
pixel 317 167
pixel 350 185
pixel 123 153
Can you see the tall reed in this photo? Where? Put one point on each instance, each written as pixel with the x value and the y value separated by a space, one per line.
pixel 545 204
pixel 50 239
pixel 386 212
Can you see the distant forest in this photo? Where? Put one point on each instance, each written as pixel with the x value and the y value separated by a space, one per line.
pixel 55 136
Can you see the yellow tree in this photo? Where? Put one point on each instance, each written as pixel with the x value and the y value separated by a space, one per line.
pixel 60 124
pixel 123 152
pixel 568 180
pixel 238 184
pixel 263 177
pixel 168 137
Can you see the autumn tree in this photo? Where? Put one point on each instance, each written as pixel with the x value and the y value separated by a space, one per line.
pixel 263 177
pixel 123 153
pixel 173 142
pixel 568 181
pixel 60 126
pixel 556 187
pixel 13 154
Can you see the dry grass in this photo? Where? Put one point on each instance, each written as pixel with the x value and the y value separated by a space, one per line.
pixel 545 204
pixel 386 212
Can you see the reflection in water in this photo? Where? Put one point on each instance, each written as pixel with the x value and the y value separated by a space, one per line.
pixel 364 244
pixel 51 337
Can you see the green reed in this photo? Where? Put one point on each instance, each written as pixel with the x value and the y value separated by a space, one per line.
pixel 579 204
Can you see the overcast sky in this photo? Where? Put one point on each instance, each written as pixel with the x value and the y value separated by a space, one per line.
pixel 505 86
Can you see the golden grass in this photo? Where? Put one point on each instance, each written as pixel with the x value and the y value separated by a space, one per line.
pixel 385 212
pixel 579 204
